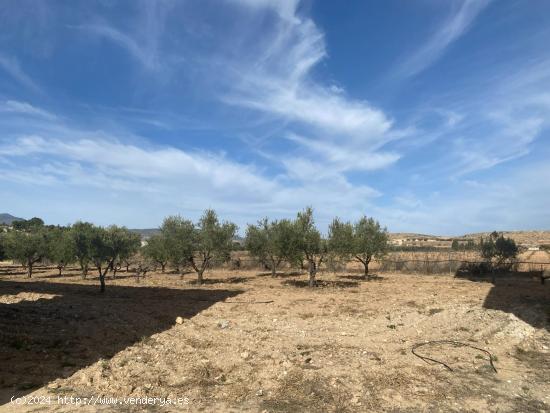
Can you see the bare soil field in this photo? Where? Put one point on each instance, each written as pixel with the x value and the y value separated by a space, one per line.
pixel 249 342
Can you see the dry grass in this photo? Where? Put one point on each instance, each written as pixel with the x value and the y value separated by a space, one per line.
pixel 307 391
pixel 325 349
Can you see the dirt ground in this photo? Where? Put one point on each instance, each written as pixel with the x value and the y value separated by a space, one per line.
pixel 249 342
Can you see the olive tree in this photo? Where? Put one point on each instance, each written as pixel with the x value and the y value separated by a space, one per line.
pixel 212 241
pixel 82 234
pixel 175 242
pixel 340 240
pixel 126 244
pixel 455 246
pixel 107 244
pixel 272 242
pixel 361 241
pixel 498 251
pixel 309 242
pixel 27 248
pixel 157 250
pixel 61 248
pixel 3 255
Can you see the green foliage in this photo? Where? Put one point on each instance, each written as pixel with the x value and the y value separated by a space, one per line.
pixel 81 234
pixel 109 244
pixel 455 246
pixel 100 251
pixel 272 242
pixel 32 224
pixel 361 241
pixel 157 250
pixel 61 248
pixel 213 242
pixel 3 253
pixel 27 248
pixel 124 242
pixel 175 241
pixel 370 239
pixel 198 245
pixel 340 239
pixel 499 251
pixel 309 242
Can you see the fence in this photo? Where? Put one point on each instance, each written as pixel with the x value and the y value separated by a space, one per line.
pixel 419 266
pixel 453 266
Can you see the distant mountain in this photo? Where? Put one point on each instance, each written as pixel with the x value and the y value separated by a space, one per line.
pixel 7 219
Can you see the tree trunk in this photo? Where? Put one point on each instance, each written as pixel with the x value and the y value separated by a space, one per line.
pixel 273 269
pixel 311 282
pixel 312 273
pixel 367 275
pixel 163 267
pixel 29 269
pixel 127 267
pixel 60 268
pixel 102 278
pixel 200 279
pixel 84 268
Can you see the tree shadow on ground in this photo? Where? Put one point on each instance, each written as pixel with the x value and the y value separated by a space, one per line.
pixel 281 274
pixel 373 277
pixel 51 330
pixel 229 280
pixel 18 270
pixel 64 274
pixel 21 271
pixel 527 299
pixel 322 284
pixel 517 293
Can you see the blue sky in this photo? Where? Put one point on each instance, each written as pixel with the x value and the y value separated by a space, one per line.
pixel 432 116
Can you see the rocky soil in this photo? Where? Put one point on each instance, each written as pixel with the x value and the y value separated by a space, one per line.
pixel 249 342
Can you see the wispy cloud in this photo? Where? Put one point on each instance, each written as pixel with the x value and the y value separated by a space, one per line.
pixel 24 108
pixel 501 123
pixel 516 201
pixel 12 67
pixel 255 70
pixel 342 133
pixel 185 181
pixel 342 159
pixel 147 56
pixel 456 25
pixel 286 9
pixel 143 42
